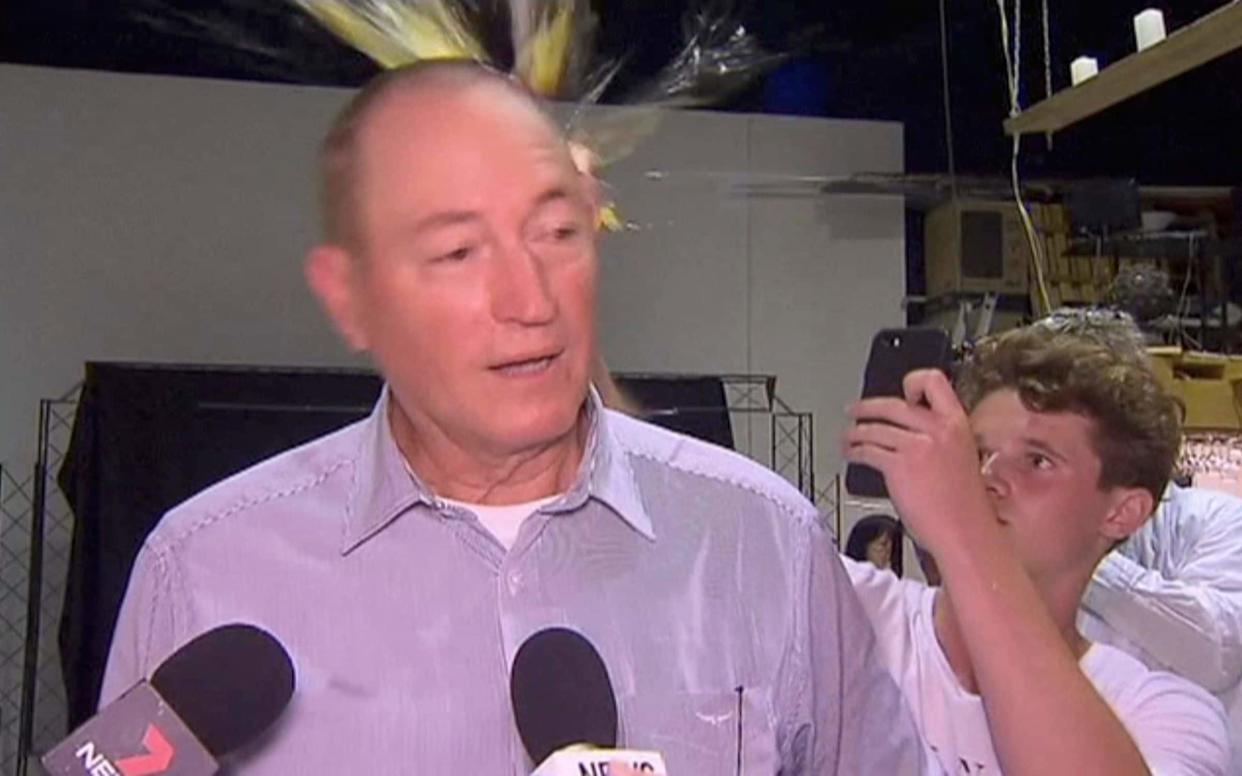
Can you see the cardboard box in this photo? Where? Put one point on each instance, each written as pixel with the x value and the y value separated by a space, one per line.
pixel 1163 359
pixel 1210 404
pixel 976 246
pixel 1209 386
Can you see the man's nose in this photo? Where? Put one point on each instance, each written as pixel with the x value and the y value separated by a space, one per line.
pixel 521 289
pixel 993 477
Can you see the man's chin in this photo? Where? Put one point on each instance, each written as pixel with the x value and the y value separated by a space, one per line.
pixel 533 431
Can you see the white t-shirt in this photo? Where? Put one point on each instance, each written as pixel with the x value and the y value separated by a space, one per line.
pixel 1178 727
pixel 505 521
pixel 1171 596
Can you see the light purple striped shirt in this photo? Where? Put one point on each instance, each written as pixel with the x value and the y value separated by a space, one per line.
pixel 693 571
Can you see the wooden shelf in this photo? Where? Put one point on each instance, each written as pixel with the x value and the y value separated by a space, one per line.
pixel 1210 37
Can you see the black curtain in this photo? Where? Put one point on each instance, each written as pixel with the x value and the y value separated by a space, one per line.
pixel 695 405
pixel 146 438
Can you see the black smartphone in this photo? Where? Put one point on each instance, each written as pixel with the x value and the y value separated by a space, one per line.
pixel 894 354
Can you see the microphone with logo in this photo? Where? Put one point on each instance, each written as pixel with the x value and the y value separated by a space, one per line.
pixel 210 698
pixel 565 709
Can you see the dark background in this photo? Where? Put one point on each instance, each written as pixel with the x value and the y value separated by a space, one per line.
pixel 861 58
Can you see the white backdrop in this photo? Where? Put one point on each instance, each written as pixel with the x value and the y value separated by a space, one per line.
pixel 164 219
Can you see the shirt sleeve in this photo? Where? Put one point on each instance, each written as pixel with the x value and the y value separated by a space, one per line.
pixel 884 601
pixel 145 628
pixel 856 719
pixel 1178 728
pixel 1187 611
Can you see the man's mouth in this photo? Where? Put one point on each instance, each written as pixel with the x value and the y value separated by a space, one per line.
pixel 524 367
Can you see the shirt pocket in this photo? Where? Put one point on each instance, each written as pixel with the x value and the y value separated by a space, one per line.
pixel 698 732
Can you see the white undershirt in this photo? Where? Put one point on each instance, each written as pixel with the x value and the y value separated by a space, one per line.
pixel 504 521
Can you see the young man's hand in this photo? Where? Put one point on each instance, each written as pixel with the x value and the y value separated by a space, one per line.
pixel 923 445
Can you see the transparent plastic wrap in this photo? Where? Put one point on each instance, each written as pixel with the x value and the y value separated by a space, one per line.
pixel 395 33
pixel 552 40
pixel 552 51
pixel 718 58
pixel 248 36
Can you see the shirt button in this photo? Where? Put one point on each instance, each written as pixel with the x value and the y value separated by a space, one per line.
pixel 514 579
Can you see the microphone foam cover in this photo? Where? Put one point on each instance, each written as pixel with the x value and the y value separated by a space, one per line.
pixel 561 694
pixel 227 685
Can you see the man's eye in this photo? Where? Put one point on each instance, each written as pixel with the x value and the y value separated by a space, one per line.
pixel 460 254
pixel 1040 461
pixel 562 232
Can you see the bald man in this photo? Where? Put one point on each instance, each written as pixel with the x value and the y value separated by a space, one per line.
pixel 405 559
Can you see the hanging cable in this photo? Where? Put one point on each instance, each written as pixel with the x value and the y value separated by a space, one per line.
pixel 1017 54
pixel 948 100
pixel 1005 49
pixel 1047 66
pixel 1013 64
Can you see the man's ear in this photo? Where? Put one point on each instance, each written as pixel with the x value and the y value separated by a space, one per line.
pixel 1131 508
pixel 331 273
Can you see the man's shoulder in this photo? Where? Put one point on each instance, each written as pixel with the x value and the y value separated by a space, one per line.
pixel 1171 719
pixel 1195 510
pixel 1190 524
pixel 1105 663
pixel 715 469
pixel 899 610
pixel 266 486
pixel 884 593
pixel 1125 681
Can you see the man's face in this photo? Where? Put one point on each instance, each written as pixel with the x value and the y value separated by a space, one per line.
pixel 1042 473
pixel 476 278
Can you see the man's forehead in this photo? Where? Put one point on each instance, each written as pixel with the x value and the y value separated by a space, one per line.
pixel 431 157
pixel 1051 427
pixel 440 112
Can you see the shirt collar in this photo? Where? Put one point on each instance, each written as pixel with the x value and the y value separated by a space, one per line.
pixel 605 473
pixel 383 487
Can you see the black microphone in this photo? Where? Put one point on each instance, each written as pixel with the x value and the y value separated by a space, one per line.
pixel 213 696
pixel 565 709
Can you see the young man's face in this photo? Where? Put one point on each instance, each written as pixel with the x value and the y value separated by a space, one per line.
pixel 1043 474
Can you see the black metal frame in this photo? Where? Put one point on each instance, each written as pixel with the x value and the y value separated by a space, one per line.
pixel 34 593
pixel 755 394
pixel 786 426
pixel 1 531
pixel 42 472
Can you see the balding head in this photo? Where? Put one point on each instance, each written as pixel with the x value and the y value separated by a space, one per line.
pixel 436 85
